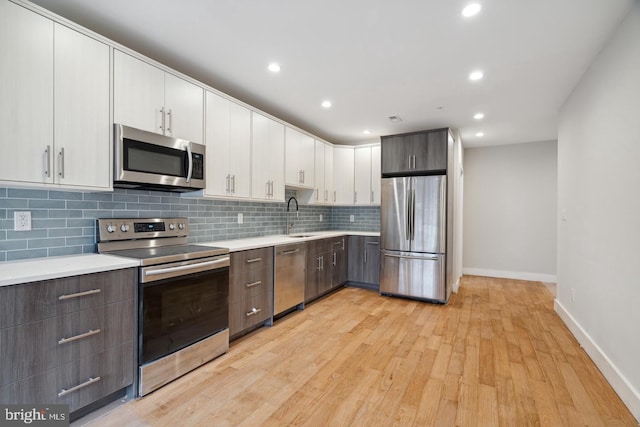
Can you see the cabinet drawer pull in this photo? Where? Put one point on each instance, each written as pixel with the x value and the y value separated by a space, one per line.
pixel 251 285
pixel 249 261
pixel 253 311
pixel 79 294
pixel 290 252
pixel 79 386
pixel 337 243
pixel 78 337
pixel 373 243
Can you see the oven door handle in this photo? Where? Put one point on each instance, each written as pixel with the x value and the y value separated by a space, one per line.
pixel 184 269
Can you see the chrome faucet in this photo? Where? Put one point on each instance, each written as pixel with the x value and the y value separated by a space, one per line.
pixel 290 224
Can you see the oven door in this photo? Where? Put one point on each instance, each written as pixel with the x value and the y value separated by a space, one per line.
pixel 145 159
pixel 181 303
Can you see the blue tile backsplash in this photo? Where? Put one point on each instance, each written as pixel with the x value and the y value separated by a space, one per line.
pixel 63 222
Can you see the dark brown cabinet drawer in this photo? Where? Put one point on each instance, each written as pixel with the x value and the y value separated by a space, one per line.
pixel 249 283
pixel 254 259
pixel 250 311
pixel 31 302
pixel 77 383
pixel 43 345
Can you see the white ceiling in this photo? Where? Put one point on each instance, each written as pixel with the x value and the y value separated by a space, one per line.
pixel 373 58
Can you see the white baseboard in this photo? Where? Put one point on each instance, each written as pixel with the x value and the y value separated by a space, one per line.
pixel 517 275
pixel 629 395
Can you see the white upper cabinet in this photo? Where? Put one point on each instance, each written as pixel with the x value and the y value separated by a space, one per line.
pixel 228 141
pixel 367 175
pixel 362 176
pixel 147 98
pixel 54 103
pixel 82 124
pixel 267 158
pixel 343 173
pixel 328 174
pixel 375 173
pixel 26 94
pixel 299 159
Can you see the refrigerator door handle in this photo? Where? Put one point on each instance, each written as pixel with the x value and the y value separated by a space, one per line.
pixel 413 213
pixel 408 220
pixel 427 258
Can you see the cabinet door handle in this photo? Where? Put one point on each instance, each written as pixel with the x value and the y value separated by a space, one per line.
pixel 319 268
pixel 355 197
pixel 162 119
pixel 79 386
pixel 414 161
pixel 79 294
pixel 249 261
pixel 271 188
pixel 253 311
pixel 61 158
pixel 365 256
pixel 334 196
pixel 170 115
pixel 335 259
pixel 47 162
pixel 79 337
pixel 326 195
pixel 372 197
pixel 233 184
pixel 317 194
pixel 251 285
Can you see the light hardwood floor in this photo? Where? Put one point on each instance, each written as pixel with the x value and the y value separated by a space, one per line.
pixel 497 354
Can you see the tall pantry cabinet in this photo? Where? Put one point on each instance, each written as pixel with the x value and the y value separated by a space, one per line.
pixel 54 102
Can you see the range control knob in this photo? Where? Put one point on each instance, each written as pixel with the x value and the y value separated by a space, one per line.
pixel 172 226
pixel 181 226
pixel 110 228
pixel 124 228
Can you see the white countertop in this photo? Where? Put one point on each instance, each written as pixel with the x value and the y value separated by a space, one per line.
pixel 32 270
pixel 281 239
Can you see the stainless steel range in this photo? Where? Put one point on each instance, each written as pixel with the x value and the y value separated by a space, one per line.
pixel 183 293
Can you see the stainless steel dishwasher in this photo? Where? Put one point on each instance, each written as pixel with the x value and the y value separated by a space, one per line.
pixel 288 289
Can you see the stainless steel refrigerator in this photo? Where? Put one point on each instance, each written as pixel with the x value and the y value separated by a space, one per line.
pixel 413 237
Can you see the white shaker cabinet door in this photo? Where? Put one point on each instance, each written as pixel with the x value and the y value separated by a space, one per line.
pixel 376 166
pixel 362 175
pixel 82 123
pixel 240 150
pixel 267 158
pixel 184 104
pixel 328 174
pixel 318 193
pixel 293 169
pixel 26 94
pixel 138 94
pixel 343 159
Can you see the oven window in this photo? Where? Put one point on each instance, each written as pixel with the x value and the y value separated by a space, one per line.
pixel 180 311
pixel 150 158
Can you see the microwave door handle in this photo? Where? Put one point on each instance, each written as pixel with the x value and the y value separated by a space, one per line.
pixel 190 171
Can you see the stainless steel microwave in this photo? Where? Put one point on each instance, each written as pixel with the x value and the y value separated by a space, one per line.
pixel 145 160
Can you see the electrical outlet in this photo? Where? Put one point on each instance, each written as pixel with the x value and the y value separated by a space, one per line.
pixel 320 217
pixel 352 218
pixel 240 218
pixel 22 221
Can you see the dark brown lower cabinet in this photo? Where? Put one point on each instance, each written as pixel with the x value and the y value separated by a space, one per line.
pixel 326 266
pixel 364 260
pixel 250 289
pixel 68 341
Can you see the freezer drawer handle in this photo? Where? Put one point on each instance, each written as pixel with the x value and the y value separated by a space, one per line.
pixel 79 294
pixel 434 258
pixel 80 336
pixel 79 386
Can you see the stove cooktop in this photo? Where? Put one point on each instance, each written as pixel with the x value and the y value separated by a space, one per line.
pixel 166 254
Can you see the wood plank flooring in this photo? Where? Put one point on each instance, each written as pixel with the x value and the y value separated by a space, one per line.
pixel 496 355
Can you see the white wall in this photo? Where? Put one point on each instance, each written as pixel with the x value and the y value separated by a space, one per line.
pixel 599 189
pixel 510 211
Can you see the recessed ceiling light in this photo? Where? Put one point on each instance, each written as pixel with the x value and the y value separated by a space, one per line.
pixel 366 132
pixel 480 134
pixel 476 75
pixel 326 104
pixel 471 10
pixel 478 116
pixel 274 68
